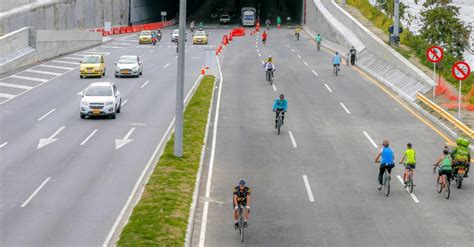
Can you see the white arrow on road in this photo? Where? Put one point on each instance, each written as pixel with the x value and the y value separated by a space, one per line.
pixel 49 140
pixel 122 142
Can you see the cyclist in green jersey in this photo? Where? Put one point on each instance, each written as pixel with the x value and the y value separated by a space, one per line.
pixel 409 159
pixel 445 164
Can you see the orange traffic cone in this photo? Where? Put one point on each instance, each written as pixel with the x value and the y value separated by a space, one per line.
pixel 203 71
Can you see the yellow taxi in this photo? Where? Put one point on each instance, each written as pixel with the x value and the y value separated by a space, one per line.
pixel 200 37
pixel 92 65
pixel 145 37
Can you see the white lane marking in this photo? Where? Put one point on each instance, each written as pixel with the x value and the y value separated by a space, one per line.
pixel 43 72
pixel 34 193
pixel 15 86
pixel 45 115
pixel 292 50
pixel 195 57
pixel 144 84
pixel 287 46
pixel 71 58
pixel 65 62
pixel 345 108
pixel 258 50
pixel 8 96
pixel 111 47
pixel 202 236
pixel 29 78
pixel 314 72
pixel 305 63
pixel 298 56
pixel 329 89
pixel 259 55
pixel 77 55
pixel 192 46
pixel 122 142
pixel 55 67
pixel 140 182
pixel 308 188
pixel 411 194
pixel 46 141
pixel 94 52
pixel 138 124
pixel 88 137
pixel 370 139
pixel 152 51
pixel 292 139
pixel 3 144
pixel 124 102
pixel 166 65
pixel 274 87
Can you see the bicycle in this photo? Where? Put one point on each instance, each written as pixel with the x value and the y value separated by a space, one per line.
pixel 336 68
pixel 269 76
pixel 442 183
pixel 279 120
pixel 409 179
pixel 241 226
pixel 386 182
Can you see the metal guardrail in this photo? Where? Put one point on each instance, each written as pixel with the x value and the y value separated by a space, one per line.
pixel 458 124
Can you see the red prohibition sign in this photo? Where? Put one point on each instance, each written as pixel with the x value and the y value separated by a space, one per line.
pixel 461 70
pixel 434 54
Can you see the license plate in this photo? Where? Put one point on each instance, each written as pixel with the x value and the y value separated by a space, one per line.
pixel 90 71
pixel 95 111
pixel 461 171
pixel 126 72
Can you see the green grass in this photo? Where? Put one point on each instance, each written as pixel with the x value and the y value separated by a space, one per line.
pixel 161 216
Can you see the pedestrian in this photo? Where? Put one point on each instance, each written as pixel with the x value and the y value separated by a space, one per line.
pixel 264 37
pixel 353 55
pixel 318 40
pixel 278 21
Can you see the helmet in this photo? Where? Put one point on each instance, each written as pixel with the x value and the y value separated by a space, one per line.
pixel 269 56
pixel 282 95
pixel 242 181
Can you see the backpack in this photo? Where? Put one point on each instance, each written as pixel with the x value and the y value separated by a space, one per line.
pixel 461 154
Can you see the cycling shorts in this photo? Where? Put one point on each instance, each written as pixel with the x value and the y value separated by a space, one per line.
pixel 410 166
pixel 335 65
pixel 448 173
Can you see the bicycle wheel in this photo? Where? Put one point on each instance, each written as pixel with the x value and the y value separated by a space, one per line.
pixel 271 78
pixel 410 185
pixel 386 182
pixel 439 186
pixel 459 181
pixel 279 126
pixel 447 190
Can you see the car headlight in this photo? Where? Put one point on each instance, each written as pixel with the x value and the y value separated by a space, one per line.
pixel 135 68
pixel 109 103
pixel 85 103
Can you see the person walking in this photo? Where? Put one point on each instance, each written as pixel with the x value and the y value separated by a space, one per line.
pixel 353 55
pixel 318 40
pixel 278 20
pixel 264 37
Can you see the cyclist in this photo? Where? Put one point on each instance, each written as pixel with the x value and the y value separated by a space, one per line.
pixel 297 32
pixel 268 23
pixel 264 37
pixel 387 162
pixel 461 155
pixel 409 159
pixel 241 198
pixel 336 62
pixel 191 26
pixel 445 164
pixel 288 21
pixel 318 40
pixel 280 105
pixel 269 67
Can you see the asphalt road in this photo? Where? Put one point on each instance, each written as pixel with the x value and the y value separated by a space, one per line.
pixel 71 191
pixel 331 136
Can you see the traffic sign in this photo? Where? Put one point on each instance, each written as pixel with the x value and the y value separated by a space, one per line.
pixel 461 70
pixel 434 54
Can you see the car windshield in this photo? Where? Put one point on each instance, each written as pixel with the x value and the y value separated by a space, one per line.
pixel 225 17
pixel 127 61
pixel 99 91
pixel 91 59
pixel 145 33
pixel 248 17
pixel 200 33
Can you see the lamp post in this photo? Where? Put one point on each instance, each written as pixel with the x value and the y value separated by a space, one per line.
pixel 178 127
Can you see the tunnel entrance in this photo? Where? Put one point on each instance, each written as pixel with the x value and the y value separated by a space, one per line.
pixel 143 11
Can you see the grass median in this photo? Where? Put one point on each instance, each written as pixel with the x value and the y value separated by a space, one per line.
pixel 161 216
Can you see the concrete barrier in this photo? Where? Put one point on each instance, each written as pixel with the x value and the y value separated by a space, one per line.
pixel 374 56
pixel 28 45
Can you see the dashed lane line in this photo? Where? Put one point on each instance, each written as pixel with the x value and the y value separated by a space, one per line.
pixel 35 192
pixel 124 102
pixel 328 88
pixel 29 78
pixel 166 65
pixel 65 62
pixel 55 67
pixel 144 84
pixel 314 72
pixel 305 63
pixel 370 139
pixel 298 56
pixel 274 87
pixel 88 137
pixel 345 108
pixel 407 190
pixel 15 86
pixel 45 115
pixel 292 139
pixel 308 188
pixel 43 72
pixel 3 144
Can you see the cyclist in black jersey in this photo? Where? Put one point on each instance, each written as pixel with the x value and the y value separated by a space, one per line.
pixel 241 198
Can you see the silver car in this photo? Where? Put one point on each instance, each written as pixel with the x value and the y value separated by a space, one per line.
pixel 100 99
pixel 128 66
pixel 175 36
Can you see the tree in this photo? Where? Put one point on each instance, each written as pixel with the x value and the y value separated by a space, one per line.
pixel 430 3
pixel 441 26
pixel 388 7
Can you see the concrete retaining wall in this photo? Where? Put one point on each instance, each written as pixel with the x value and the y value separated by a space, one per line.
pixel 375 57
pixel 11 4
pixel 65 14
pixel 27 46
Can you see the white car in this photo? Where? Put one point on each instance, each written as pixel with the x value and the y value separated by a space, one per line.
pixel 225 19
pixel 175 36
pixel 100 99
pixel 128 66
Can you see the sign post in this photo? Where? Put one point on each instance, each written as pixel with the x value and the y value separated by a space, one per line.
pixel 163 16
pixel 434 55
pixel 460 71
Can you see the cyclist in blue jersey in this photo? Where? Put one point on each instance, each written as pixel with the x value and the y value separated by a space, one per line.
pixel 280 105
pixel 387 162
pixel 336 61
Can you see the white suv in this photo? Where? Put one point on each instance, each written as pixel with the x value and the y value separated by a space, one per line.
pixel 100 99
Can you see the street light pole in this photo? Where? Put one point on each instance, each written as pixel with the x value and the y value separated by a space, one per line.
pixel 178 127
pixel 396 21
